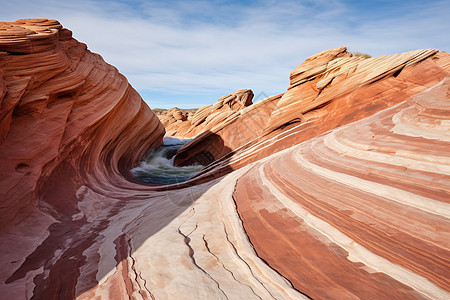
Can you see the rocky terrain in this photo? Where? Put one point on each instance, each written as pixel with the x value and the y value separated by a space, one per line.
pixel 187 124
pixel 174 115
pixel 339 188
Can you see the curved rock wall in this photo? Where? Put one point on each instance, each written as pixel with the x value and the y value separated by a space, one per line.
pixel 73 226
pixel 359 212
pixel 363 211
pixel 326 78
pixel 65 115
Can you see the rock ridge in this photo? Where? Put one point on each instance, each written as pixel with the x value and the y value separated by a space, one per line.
pixel 206 117
pixel 328 90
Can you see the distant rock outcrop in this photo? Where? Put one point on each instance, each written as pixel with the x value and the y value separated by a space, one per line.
pixel 228 134
pixel 171 116
pixel 206 117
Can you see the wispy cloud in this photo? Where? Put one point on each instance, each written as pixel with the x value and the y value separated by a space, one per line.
pixel 177 50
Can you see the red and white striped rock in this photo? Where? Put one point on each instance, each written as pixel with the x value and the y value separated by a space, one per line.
pixel 355 206
pixel 362 212
pixel 360 88
pixel 70 128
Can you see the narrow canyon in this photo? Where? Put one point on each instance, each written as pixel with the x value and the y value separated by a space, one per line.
pixel 336 188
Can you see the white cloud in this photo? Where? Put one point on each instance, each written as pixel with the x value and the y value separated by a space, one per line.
pixel 183 48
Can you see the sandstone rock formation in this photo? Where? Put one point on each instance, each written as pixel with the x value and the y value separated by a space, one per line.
pixel 208 116
pixel 363 211
pixel 328 90
pixel 355 206
pixel 230 134
pixel 70 124
pixel 173 115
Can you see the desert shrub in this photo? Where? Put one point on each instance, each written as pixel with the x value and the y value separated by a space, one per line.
pixel 363 55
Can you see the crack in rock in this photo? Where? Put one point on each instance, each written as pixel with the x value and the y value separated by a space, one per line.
pixel 225 268
pixel 187 241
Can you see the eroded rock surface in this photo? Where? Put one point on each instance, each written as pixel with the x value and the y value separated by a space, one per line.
pixel 206 117
pixel 328 90
pixel 71 126
pixel 237 130
pixel 173 115
pixel 363 211
pixel 355 206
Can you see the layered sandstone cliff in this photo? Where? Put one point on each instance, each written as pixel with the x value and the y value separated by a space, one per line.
pixel 328 90
pixel 70 124
pixel 63 109
pixel 238 129
pixel 206 117
pixel 355 206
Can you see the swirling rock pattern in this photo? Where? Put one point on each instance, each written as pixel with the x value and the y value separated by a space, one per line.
pixel 59 100
pixel 73 225
pixel 356 88
pixel 70 124
pixel 360 211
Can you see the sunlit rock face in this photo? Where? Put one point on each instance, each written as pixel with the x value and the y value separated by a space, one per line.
pixel 63 109
pixel 206 117
pixel 334 79
pixel 360 212
pixel 328 90
pixel 237 130
pixel 336 189
pixel 171 116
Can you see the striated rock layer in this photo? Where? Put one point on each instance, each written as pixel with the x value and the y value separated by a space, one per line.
pixel 73 225
pixel 63 109
pixel 236 130
pixel 328 90
pixel 355 206
pixel 70 124
pixel 206 117
pixel 363 211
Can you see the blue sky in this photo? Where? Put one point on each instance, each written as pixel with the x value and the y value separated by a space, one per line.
pixel 189 53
